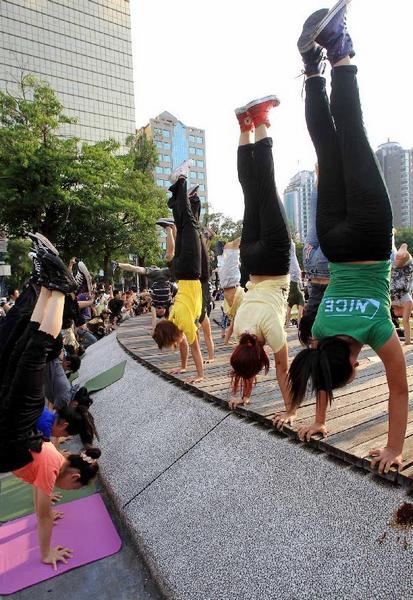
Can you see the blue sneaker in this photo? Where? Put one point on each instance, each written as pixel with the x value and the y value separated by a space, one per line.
pixel 328 29
pixel 314 61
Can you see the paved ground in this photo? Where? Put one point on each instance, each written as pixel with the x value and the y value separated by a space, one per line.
pixel 223 509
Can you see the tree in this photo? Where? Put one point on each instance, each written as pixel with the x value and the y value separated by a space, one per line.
pixel 404 235
pixel 143 153
pixel 89 200
pixel 20 263
pixel 224 227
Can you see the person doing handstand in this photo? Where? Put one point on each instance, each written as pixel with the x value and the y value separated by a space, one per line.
pixel 265 255
pixel 181 327
pixel 354 226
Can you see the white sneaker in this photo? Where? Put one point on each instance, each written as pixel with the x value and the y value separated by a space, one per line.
pixel 182 170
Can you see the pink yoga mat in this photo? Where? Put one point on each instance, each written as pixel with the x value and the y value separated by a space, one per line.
pixel 86 528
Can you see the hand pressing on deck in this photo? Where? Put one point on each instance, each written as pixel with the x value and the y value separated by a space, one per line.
pixel 385 458
pixel 195 379
pixel 305 433
pixel 234 402
pixel 177 371
pixel 284 418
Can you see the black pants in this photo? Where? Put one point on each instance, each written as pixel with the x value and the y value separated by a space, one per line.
pixel 23 401
pixel 265 241
pixel 354 217
pixel 187 259
pixel 15 323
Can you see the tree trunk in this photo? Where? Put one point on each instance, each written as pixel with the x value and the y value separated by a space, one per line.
pixel 108 275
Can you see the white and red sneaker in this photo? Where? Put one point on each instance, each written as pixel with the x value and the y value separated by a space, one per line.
pixel 244 119
pixel 260 108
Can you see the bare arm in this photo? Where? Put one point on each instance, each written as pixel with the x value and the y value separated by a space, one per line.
pixel 281 369
pixel 234 245
pixel 44 513
pixel 228 332
pixel 197 356
pixel 153 315
pixel 395 365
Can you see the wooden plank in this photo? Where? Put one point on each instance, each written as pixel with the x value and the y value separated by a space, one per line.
pixel 357 419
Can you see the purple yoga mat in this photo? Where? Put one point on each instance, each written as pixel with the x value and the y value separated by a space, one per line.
pixel 86 528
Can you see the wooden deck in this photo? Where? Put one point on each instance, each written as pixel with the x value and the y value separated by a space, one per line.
pixel 357 419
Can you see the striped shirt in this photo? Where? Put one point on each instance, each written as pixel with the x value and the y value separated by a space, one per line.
pixel 161 294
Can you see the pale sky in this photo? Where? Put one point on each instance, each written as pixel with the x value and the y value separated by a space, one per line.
pixel 200 60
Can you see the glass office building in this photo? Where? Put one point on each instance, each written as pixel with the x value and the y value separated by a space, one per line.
pixel 83 49
pixel 175 143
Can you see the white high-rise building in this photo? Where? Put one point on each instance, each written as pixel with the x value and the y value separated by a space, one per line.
pixel 83 50
pixel 397 167
pixel 297 202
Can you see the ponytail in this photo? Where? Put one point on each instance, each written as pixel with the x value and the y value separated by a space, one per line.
pixel 86 463
pixel 79 422
pixel 247 360
pixel 324 368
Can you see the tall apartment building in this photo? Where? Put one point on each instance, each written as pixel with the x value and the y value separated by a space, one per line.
pixel 297 202
pixel 397 166
pixel 83 49
pixel 177 142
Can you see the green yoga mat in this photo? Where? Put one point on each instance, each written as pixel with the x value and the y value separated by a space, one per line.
pixel 16 497
pixel 106 378
pixel 73 376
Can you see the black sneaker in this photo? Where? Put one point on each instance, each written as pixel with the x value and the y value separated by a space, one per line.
pixel 165 222
pixel 54 273
pixel 83 277
pixel 35 276
pixel 193 191
pixel 41 242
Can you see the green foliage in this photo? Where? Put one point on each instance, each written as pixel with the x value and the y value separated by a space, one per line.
pixel 143 153
pixel 225 228
pixel 89 200
pixel 20 263
pixel 404 235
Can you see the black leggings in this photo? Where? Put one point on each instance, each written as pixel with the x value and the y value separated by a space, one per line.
pixel 15 323
pixel 265 241
pixel 354 217
pixel 22 398
pixel 187 259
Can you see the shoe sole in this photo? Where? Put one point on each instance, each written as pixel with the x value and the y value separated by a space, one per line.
pixel 240 110
pixel 85 272
pixel 315 28
pixel 43 240
pixel 262 100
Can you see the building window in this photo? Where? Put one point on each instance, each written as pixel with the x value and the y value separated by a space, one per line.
pixel 167 145
pixel 166 158
pixel 167 170
pixel 191 150
pixel 200 175
pixel 159 170
pixel 199 152
pixel 199 140
pixel 166 183
pixel 159 182
pixel 202 188
pixel 192 139
pixel 158 144
pixel 200 163
pixel 165 133
pixel 156 131
pixel 160 157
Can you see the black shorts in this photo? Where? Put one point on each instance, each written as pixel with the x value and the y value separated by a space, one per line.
pixel 206 300
pixel 295 296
